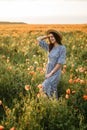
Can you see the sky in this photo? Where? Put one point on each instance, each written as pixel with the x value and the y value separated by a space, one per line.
pixel 44 11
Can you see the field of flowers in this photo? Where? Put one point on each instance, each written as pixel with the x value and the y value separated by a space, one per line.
pixel 22 69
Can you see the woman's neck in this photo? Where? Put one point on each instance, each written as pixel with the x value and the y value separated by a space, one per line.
pixel 56 44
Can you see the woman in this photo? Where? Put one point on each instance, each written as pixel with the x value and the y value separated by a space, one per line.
pixel 56 58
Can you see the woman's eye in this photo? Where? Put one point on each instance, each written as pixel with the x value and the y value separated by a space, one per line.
pixel 51 36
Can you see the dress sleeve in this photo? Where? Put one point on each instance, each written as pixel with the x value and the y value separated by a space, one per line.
pixel 44 45
pixel 62 57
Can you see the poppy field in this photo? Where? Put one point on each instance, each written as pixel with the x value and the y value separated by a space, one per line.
pixel 23 106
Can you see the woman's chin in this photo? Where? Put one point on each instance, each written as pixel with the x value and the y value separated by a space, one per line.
pixel 52 42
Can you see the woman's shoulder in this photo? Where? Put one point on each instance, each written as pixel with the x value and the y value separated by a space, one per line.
pixel 63 47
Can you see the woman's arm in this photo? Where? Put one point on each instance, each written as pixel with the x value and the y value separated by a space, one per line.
pixel 57 67
pixel 42 43
pixel 42 38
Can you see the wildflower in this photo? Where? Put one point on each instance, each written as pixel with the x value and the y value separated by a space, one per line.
pixel 40 86
pixel 9 68
pixel 28 68
pixel 85 97
pixel 28 107
pixel 77 80
pixel 82 82
pixel 81 69
pixel 68 91
pixel 77 70
pixel 36 62
pixel 34 55
pixel 70 80
pixel 8 60
pixel 13 128
pixel 32 79
pixel 38 68
pixel 27 87
pixel 67 96
pixel 86 89
pixel 72 65
pixel 0 102
pixel 73 91
pixel 1 127
pixel 27 60
pixel 32 73
pixel 31 67
pixel 38 95
pixel 3 56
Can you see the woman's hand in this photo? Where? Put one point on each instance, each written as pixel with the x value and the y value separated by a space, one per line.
pixel 49 75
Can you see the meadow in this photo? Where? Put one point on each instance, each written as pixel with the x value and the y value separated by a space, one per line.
pixel 22 70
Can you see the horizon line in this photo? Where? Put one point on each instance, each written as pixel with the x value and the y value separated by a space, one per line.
pixel 22 22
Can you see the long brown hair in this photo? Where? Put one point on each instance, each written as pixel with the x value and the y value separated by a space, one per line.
pixel 58 40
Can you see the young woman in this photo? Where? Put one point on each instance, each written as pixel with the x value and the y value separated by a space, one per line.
pixel 56 58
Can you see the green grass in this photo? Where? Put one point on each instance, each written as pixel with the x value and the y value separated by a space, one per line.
pixel 19 57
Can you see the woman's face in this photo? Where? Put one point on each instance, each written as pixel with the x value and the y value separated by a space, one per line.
pixel 52 38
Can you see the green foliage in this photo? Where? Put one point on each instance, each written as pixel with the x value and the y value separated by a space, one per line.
pixel 23 62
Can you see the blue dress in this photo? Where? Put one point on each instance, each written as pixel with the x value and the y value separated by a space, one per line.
pixel 55 56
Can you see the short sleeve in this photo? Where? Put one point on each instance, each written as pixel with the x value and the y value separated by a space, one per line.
pixel 62 57
pixel 43 44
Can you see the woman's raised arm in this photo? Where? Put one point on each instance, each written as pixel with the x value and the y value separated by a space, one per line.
pixel 42 38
